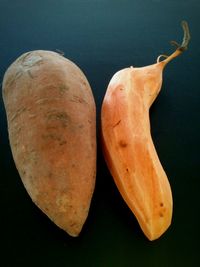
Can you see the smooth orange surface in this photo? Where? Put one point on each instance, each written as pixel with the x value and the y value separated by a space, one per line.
pixel 129 150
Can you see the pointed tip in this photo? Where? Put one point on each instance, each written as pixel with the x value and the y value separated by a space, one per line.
pixel 72 233
pixel 156 231
pixel 73 228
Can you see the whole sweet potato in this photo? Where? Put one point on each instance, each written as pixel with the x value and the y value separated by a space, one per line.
pixel 52 131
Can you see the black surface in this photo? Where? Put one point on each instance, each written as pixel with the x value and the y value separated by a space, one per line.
pixel 102 37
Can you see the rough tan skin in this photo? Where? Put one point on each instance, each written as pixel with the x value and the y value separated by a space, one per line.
pixel 52 131
pixel 128 146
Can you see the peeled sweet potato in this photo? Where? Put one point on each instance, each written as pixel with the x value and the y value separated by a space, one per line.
pixel 51 118
pixel 128 146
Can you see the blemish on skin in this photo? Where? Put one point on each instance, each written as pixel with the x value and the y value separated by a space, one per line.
pixel 30 74
pixel 63 142
pixel 63 203
pixel 116 124
pixel 161 214
pixel 23 172
pixel 161 204
pixel 63 88
pixel 122 143
pixel 60 116
pixel 17 130
pixel 81 126
pixel 72 224
pixel 50 174
pixel 78 99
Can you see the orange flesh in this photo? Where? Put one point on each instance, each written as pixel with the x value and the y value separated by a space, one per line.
pixel 128 146
pixel 129 150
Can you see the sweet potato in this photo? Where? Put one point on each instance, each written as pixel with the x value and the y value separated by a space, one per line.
pixel 51 118
pixel 128 147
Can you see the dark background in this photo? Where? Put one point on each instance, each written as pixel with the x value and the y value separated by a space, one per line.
pixel 102 37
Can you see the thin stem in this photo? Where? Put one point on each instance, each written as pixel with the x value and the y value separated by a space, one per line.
pixel 159 57
pixel 180 48
pixel 186 37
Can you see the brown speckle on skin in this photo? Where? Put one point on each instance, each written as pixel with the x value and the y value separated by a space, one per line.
pixel 23 172
pixel 63 142
pixel 50 174
pixel 15 144
pixel 123 143
pixel 161 214
pixel 161 204
pixel 63 88
pixel 46 208
pixel 117 123
pixel 81 126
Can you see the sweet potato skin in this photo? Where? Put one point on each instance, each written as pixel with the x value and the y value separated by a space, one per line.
pixel 51 118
